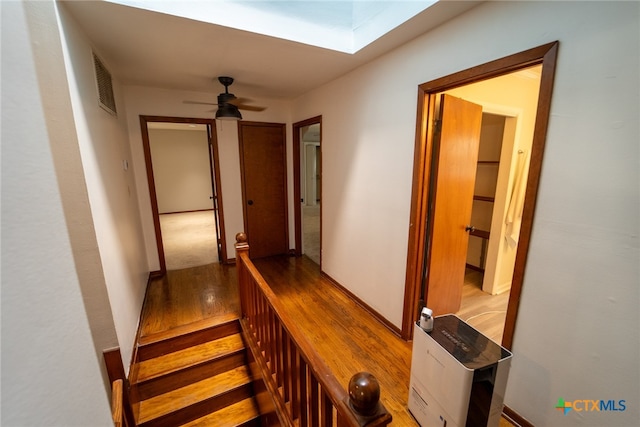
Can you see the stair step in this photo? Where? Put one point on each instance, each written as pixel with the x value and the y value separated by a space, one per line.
pixel 195 400
pixel 182 359
pixel 185 336
pixel 242 414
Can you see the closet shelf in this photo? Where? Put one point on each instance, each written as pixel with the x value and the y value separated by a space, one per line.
pixel 484 198
pixel 483 234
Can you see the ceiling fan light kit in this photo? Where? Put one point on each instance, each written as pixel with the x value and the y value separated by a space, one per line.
pixel 228 112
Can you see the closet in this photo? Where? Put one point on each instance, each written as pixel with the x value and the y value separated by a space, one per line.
pixel 491 137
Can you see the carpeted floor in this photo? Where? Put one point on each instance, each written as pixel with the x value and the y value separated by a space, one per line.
pixel 311 232
pixel 189 239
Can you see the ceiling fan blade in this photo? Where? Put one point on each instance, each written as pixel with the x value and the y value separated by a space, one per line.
pixel 250 107
pixel 240 104
pixel 198 103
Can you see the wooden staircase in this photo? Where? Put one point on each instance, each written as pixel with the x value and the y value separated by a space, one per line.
pixel 196 378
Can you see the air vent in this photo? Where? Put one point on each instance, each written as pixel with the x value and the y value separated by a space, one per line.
pixel 105 89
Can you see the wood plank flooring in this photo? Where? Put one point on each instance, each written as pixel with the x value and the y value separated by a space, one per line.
pixel 485 312
pixel 344 334
pixel 190 299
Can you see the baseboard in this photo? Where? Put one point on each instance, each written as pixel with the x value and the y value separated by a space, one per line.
pixel 515 418
pixel 155 275
pixel 393 328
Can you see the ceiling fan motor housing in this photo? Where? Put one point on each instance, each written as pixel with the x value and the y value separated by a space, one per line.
pixel 224 98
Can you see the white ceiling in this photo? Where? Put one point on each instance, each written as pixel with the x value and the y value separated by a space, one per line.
pixel 150 48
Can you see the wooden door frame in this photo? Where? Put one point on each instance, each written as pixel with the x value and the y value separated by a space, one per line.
pixel 297 185
pixel 144 120
pixel 545 55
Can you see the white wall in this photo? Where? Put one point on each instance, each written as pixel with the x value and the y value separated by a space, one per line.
pixel 103 143
pixel 169 103
pixel 51 372
pixel 181 169
pixel 577 332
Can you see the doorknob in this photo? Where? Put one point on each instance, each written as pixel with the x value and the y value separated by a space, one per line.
pixel 250 202
pixel 470 228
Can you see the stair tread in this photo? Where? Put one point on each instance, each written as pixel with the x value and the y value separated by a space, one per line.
pixel 233 415
pixel 191 394
pixel 171 362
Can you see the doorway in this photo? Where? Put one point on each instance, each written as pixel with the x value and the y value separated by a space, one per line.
pixel 181 159
pixel 426 166
pixel 307 172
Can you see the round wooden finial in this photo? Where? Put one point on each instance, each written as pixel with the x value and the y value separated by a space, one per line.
pixel 364 393
pixel 241 237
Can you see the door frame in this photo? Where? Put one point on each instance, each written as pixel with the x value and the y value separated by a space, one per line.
pixel 297 185
pixel 422 171
pixel 216 184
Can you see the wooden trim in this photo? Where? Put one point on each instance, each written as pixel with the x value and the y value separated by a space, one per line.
pixel 191 211
pixel 115 371
pixel 514 418
pixel 218 193
pixel 380 318
pixel 419 206
pixel 144 120
pixel 155 275
pixel 535 167
pixel 418 227
pixel 297 186
pixel 152 192
pixel 117 403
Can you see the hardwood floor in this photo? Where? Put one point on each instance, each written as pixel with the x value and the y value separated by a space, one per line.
pixel 190 299
pixel 345 335
pixel 486 313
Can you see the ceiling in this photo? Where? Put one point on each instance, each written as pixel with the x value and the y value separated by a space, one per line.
pixel 152 48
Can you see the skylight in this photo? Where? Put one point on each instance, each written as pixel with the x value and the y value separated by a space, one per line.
pixel 341 25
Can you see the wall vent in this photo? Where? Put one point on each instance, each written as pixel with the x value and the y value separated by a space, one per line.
pixel 105 89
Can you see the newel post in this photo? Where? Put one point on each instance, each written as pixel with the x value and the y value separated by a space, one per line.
pixel 364 400
pixel 242 248
pixel 242 244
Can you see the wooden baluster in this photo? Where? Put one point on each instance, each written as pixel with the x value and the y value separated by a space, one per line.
pixel 287 363
pixel 295 381
pixel 326 410
pixel 279 350
pixel 314 399
pixel 304 419
pixel 273 343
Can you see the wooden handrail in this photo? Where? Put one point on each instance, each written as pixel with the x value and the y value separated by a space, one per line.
pixel 301 384
pixel 117 403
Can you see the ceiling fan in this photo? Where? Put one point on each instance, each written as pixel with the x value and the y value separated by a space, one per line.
pixel 228 104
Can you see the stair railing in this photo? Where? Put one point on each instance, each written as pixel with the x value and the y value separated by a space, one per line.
pixel 301 385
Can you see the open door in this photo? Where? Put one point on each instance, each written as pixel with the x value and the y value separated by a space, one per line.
pixel 456 145
pixel 215 177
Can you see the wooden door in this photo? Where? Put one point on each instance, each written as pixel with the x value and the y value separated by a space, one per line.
pixel 264 187
pixel 456 154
